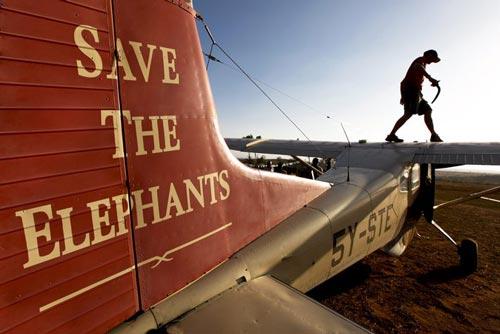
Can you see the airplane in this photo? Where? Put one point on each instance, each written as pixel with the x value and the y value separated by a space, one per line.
pixel 123 209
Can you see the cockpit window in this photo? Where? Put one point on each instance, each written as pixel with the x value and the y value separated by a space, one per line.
pixel 410 177
pixel 415 177
pixel 403 180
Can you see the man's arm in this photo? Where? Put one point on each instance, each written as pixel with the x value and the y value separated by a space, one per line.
pixel 433 81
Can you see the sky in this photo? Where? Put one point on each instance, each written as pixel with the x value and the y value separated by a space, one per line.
pixel 346 59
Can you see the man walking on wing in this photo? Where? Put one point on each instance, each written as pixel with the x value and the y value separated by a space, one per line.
pixel 411 95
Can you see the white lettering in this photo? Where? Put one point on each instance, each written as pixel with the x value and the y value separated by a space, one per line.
pixel 87 50
pixel 140 134
pixel 145 68
pixel 122 61
pixel 169 57
pixel 31 234
pixel 99 222
pixel 117 125
pixel 170 134
pixel 69 242
pixel 140 207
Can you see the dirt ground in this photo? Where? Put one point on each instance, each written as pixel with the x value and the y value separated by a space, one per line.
pixel 424 291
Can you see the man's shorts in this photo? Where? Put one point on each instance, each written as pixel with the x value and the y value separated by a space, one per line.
pixel 414 103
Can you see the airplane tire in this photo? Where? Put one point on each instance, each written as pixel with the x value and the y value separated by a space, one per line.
pixel 398 246
pixel 468 255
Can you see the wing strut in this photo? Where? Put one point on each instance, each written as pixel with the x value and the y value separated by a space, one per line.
pixel 467 198
pixel 305 163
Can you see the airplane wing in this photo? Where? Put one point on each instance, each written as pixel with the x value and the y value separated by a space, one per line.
pixel 435 153
pixel 263 305
pixel 287 147
pixel 459 153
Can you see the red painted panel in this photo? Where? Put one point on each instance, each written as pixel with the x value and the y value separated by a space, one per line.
pixel 31 168
pixel 64 12
pixel 52 74
pixel 14 248
pixel 14 46
pixel 48 97
pixel 22 145
pixel 55 154
pixel 61 315
pixel 39 27
pixel 19 288
pixel 14 120
pixel 93 320
pixel 30 191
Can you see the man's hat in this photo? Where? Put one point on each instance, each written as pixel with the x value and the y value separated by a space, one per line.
pixel 433 55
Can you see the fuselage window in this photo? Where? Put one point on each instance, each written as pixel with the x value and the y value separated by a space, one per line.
pixel 410 177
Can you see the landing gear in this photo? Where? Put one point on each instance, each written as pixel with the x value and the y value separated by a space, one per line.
pixel 467 250
pixel 468 255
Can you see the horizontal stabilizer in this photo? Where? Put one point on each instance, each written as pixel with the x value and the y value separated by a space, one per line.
pixel 322 149
pixel 263 305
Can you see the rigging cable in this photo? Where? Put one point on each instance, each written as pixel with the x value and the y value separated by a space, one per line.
pixel 322 114
pixel 262 91
pixel 210 57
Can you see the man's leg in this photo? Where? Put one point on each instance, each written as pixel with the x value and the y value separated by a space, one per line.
pixel 410 102
pixel 400 123
pixel 430 125
pixel 428 121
